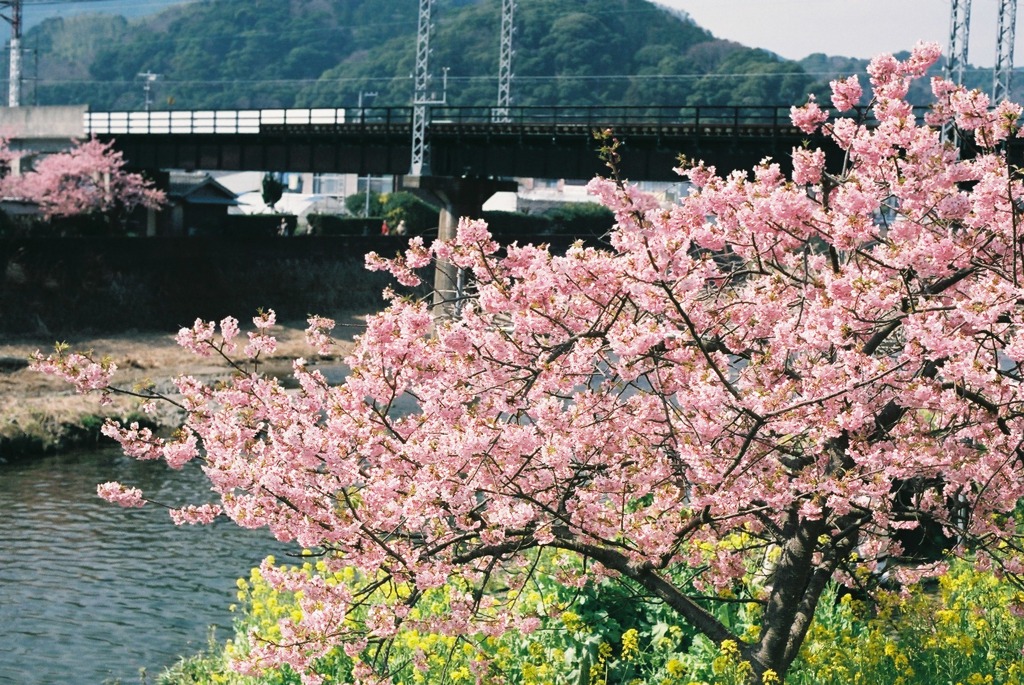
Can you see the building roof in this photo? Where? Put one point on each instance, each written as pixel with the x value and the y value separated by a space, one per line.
pixel 198 188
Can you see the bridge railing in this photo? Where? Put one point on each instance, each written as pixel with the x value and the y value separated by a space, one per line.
pixel 612 115
pixel 207 121
pixel 722 118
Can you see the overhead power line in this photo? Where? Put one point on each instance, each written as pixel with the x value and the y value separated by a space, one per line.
pixel 460 79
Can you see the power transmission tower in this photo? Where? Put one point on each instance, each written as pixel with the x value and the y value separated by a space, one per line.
pixel 1004 50
pixel 421 97
pixel 501 112
pixel 959 34
pixel 10 11
pixel 959 28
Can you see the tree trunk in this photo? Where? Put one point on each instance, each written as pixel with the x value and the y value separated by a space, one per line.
pixel 797 585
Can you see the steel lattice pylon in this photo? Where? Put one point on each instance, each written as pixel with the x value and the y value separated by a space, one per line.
pixel 959 27
pixel 501 112
pixel 959 34
pixel 1004 50
pixel 420 99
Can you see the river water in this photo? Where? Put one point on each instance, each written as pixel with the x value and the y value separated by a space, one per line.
pixel 91 593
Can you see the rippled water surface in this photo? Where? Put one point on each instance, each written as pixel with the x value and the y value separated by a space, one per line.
pixel 90 592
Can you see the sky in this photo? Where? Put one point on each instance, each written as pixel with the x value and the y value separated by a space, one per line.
pixel 34 11
pixel 847 28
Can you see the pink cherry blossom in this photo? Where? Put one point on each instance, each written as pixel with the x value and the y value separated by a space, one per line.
pixel 195 515
pixel 228 332
pixel 808 362
pixel 90 177
pixel 81 370
pixel 808 165
pixel 318 335
pixel 260 343
pixel 199 338
pixel 846 93
pixel 265 320
pixel 121 495
pixel 808 117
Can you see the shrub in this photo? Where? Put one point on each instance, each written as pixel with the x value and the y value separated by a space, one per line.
pixel 509 226
pixel 582 633
pixel 419 217
pixel 581 220
pixel 968 629
pixel 332 225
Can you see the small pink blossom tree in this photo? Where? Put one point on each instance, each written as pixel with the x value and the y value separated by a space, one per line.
pixel 90 178
pixel 777 373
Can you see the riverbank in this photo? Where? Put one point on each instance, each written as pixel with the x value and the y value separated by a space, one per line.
pixel 42 415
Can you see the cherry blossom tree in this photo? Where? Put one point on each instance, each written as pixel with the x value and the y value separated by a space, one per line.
pixel 90 178
pixel 778 376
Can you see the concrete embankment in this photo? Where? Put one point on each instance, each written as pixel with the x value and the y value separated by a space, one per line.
pixel 64 287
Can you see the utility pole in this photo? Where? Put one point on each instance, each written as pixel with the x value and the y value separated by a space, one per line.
pixel 1003 72
pixel 148 78
pixel 366 96
pixel 501 112
pixel 10 11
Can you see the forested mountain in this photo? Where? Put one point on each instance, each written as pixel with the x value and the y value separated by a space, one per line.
pixel 313 53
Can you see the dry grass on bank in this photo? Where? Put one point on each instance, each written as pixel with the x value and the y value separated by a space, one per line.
pixel 41 414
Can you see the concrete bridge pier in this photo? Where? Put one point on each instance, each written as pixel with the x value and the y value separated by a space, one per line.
pixel 459 197
pixel 35 131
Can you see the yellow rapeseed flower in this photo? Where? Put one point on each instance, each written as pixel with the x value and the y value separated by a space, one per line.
pixel 630 644
pixel 675 668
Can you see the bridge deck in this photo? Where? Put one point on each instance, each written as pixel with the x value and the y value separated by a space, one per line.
pixel 711 120
pixel 552 142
